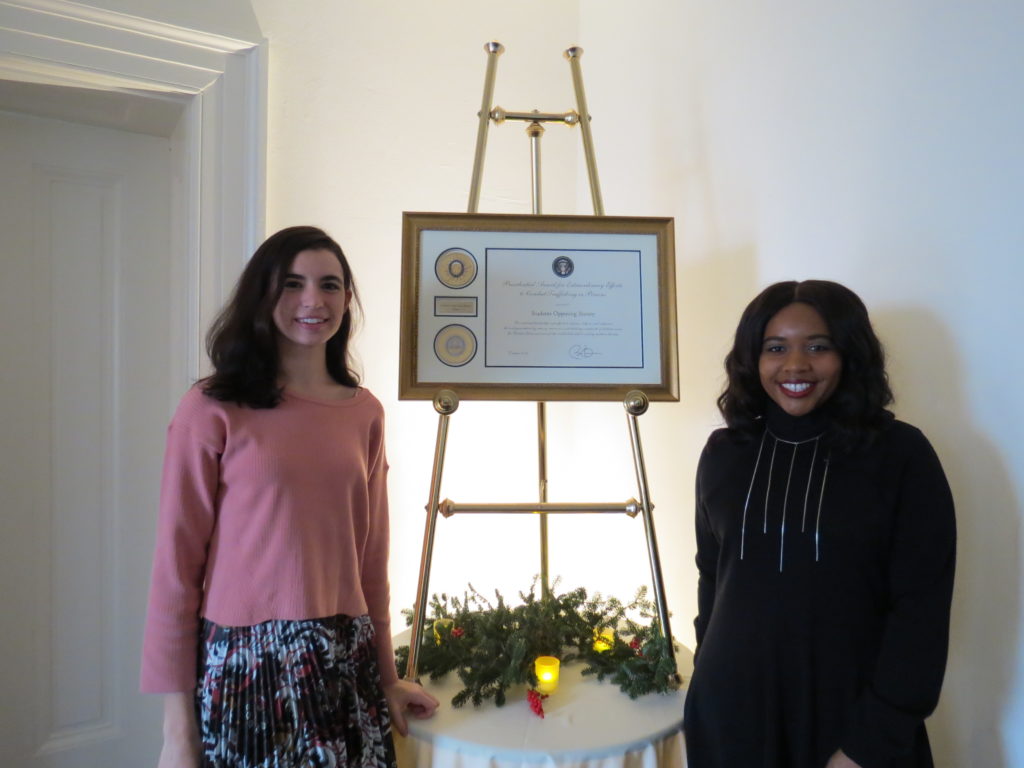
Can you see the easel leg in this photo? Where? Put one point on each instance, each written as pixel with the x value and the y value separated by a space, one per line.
pixel 535 131
pixel 542 487
pixel 445 404
pixel 494 50
pixel 636 405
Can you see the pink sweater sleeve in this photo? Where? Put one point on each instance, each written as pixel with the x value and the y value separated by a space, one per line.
pixel 374 576
pixel 188 499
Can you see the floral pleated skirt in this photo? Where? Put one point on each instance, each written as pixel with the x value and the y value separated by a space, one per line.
pixel 292 694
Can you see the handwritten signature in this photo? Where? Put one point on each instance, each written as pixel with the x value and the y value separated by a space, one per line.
pixel 582 352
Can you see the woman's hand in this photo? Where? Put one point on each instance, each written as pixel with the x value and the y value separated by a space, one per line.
pixel 179 754
pixel 405 695
pixel 840 760
pixel 181 733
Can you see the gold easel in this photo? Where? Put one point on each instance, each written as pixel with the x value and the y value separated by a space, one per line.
pixel 446 402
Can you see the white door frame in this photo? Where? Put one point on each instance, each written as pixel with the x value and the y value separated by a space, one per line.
pixel 219 144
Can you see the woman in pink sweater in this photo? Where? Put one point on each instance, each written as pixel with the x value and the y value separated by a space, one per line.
pixel 268 628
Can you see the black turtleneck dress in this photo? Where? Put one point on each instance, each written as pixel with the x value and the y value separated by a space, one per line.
pixel 825 585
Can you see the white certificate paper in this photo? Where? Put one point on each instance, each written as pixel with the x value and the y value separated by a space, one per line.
pixel 562 308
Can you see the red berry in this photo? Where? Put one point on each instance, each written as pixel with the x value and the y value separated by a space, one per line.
pixel 536 701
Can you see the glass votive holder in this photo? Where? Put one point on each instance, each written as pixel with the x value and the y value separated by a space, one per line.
pixel 439 624
pixel 604 640
pixel 546 668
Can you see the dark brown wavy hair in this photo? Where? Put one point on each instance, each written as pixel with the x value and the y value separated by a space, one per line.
pixel 242 342
pixel 857 409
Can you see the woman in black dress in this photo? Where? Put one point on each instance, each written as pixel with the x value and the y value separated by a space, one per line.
pixel 825 548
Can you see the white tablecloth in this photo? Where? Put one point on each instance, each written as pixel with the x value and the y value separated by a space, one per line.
pixel 587 725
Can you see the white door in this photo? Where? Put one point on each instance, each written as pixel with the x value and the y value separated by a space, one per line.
pixel 85 355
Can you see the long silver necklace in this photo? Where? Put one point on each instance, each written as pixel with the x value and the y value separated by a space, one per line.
pixel 785 500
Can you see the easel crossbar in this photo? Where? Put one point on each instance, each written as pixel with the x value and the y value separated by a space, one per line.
pixel 631 507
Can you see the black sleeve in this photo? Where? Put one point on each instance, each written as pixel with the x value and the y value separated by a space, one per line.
pixel 905 685
pixel 707 560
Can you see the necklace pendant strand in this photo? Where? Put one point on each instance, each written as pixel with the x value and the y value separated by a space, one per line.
pixel 768 490
pixel 821 497
pixel 785 503
pixel 807 493
pixel 746 504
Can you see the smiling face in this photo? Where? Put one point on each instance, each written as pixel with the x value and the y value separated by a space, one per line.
pixel 799 365
pixel 313 300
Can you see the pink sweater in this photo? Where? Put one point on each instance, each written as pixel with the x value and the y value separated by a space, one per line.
pixel 267 514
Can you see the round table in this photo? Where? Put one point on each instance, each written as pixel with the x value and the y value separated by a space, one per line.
pixel 587 724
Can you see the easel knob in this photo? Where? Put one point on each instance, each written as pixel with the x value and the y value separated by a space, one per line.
pixel 636 403
pixel 446 402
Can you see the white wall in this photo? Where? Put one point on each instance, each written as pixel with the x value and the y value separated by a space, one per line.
pixel 873 143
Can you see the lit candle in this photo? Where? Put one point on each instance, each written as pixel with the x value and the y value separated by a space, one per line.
pixel 546 668
pixel 604 640
pixel 440 624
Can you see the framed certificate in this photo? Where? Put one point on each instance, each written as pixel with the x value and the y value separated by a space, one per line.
pixel 515 307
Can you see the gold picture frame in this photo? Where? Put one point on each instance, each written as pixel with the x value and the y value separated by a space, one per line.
pixel 526 307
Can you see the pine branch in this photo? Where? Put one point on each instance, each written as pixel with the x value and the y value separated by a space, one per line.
pixel 492 646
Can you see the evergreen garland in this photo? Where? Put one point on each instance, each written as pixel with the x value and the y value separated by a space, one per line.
pixel 492 647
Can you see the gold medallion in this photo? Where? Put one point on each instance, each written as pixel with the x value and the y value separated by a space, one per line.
pixel 455 345
pixel 455 268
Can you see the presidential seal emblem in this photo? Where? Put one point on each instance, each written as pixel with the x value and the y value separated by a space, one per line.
pixel 562 266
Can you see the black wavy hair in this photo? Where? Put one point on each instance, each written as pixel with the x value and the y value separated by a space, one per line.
pixel 242 342
pixel 857 409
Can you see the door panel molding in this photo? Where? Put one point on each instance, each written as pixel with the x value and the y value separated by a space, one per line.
pixel 75 562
